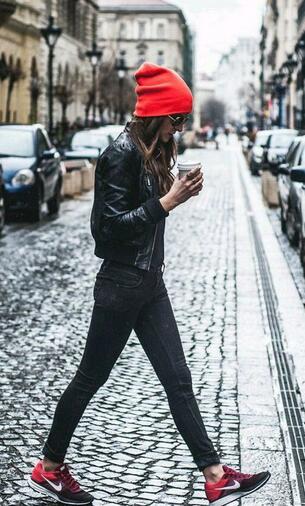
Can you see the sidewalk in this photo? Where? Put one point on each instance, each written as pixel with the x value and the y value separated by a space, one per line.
pixel 255 336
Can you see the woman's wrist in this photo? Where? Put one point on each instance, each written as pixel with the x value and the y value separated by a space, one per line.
pixel 167 203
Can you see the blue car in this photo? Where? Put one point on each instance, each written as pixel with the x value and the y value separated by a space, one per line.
pixel 31 170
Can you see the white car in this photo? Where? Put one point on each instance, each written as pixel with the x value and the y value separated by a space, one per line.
pixel 112 130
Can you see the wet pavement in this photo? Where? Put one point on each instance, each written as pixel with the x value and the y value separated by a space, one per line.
pixel 126 449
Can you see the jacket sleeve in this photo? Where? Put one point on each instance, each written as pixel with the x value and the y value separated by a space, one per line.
pixel 117 184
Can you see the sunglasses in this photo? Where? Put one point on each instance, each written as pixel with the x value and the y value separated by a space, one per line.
pixel 178 120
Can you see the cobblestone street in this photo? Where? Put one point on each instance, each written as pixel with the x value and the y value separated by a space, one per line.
pixel 126 449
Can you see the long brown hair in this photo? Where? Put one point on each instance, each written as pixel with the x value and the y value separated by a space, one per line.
pixel 159 158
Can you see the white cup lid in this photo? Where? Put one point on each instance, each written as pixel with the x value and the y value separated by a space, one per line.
pixel 188 164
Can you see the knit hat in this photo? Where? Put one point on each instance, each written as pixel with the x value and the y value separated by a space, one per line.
pixel 161 91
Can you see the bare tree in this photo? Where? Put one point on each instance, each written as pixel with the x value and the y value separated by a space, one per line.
pixel 213 112
pixel 109 93
pixel 15 74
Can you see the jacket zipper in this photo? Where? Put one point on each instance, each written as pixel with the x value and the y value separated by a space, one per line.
pixel 153 246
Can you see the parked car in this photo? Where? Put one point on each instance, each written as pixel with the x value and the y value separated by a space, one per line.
pixel 2 210
pixel 298 177
pixel 256 151
pixel 276 148
pixel 112 130
pixel 88 144
pixel 31 170
pixel 290 192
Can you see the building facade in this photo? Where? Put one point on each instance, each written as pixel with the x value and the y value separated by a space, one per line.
pixel 153 30
pixel 20 53
pixel 204 91
pixel 72 68
pixel 24 59
pixel 279 61
pixel 236 81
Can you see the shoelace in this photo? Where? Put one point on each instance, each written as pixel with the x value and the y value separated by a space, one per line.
pixel 68 479
pixel 231 472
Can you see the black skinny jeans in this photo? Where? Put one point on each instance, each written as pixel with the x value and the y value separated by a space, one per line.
pixel 128 298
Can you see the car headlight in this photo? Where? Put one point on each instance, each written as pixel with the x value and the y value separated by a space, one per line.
pixel 23 177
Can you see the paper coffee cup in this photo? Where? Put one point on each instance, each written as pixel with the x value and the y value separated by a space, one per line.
pixel 186 166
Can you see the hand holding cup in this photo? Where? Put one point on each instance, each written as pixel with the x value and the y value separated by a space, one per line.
pixel 188 184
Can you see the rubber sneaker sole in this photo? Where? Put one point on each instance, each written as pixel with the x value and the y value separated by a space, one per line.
pixel 39 488
pixel 237 495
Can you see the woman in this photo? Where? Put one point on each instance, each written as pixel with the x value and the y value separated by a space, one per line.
pixel 134 193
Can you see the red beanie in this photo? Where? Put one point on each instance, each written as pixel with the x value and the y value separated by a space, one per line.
pixel 161 91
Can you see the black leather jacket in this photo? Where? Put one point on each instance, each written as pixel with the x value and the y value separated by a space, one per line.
pixel 126 208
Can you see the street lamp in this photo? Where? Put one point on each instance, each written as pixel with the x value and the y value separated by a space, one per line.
pixel 94 56
pixel 121 69
pixel 300 52
pixel 288 68
pixel 280 91
pixel 50 33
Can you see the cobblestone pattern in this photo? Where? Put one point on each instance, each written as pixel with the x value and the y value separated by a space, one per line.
pixel 126 449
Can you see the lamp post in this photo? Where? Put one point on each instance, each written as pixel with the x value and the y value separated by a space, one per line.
pixel 262 75
pixel 50 33
pixel 121 69
pixel 300 52
pixel 288 68
pixel 280 91
pixel 94 56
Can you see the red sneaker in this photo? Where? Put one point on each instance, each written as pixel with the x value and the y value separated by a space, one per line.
pixel 234 485
pixel 58 484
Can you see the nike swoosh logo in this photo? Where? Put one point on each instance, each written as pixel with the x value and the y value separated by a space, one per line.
pixel 231 487
pixel 58 487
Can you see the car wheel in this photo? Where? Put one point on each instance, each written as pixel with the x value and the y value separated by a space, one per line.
pixel 283 221
pixel 35 212
pixel 54 203
pixel 292 233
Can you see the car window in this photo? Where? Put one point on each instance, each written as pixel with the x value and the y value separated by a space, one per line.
pixel 261 139
pixel 15 142
pixel 291 155
pixel 281 140
pixel 302 157
pixel 42 144
pixel 89 140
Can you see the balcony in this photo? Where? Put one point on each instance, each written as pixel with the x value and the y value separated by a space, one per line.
pixel 7 8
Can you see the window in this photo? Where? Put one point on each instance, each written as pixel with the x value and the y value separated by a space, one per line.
pixel 42 144
pixel 160 58
pixel 71 17
pixel 142 27
pixel 16 142
pixel 141 58
pixel 94 26
pixel 122 31
pixel 142 48
pixel 160 31
pixel 302 159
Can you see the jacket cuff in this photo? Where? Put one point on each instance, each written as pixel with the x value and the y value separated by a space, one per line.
pixel 155 210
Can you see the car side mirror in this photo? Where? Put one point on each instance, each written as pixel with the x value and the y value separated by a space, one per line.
pixel 298 175
pixel 284 169
pixel 48 154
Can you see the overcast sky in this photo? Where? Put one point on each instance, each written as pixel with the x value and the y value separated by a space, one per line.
pixel 218 24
